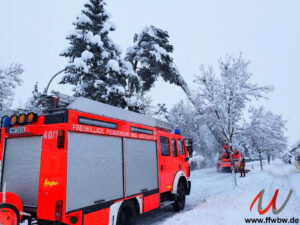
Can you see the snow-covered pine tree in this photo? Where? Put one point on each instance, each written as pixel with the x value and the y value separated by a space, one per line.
pixel 9 80
pixel 150 57
pixel 95 66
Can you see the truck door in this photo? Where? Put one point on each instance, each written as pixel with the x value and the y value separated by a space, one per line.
pixel 175 158
pixel 182 156
pixel 165 164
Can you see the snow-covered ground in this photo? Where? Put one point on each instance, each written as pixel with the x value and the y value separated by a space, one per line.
pixel 213 201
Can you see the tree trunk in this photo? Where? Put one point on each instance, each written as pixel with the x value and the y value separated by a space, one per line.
pixel 269 158
pixel 260 159
pixel 233 171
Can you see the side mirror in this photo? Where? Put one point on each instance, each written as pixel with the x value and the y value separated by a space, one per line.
pixel 189 146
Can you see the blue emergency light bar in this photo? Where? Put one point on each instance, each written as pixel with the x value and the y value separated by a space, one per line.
pixel 5 121
pixel 177 131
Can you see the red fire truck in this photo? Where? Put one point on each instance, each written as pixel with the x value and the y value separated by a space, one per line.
pixel 89 163
pixel 224 163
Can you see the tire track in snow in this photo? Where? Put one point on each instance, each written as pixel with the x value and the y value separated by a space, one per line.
pixel 197 197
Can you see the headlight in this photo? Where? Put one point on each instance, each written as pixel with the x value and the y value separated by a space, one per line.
pixel 13 119
pixel 31 117
pixel 22 118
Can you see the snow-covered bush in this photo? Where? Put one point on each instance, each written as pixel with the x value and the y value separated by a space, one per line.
pixel 198 162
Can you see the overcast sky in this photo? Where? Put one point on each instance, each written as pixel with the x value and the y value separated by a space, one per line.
pixel 266 32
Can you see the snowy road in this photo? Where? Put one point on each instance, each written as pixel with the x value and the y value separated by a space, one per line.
pixel 214 202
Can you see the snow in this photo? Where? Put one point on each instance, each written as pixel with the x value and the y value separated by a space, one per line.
pixel 93 39
pixel 106 13
pixel 118 89
pixel 214 202
pixel 83 19
pixel 98 83
pixel 87 2
pixel 160 50
pixel 117 47
pixel 79 63
pixel 113 65
pixel 149 31
pixel 86 55
pixel 88 36
pixel 197 160
pixel 108 26
pixel 104 54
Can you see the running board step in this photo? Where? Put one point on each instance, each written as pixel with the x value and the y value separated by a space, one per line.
pixel 166 203
pixel 25 214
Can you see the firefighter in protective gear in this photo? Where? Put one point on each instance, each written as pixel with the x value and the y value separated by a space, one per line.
pixel 242 168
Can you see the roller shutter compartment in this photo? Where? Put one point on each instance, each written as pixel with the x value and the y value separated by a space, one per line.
pixel 95 170
pixel 21 169
pixel 141 166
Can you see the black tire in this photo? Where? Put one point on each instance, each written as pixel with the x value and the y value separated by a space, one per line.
pixel 127 214
pixel 48 223
pixel 12 208
pixel 180 196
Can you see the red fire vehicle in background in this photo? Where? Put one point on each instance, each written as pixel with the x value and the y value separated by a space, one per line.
pixel 89 163
pixel 224 162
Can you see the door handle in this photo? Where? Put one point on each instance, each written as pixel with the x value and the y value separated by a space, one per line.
pixel 161 167
pixel 99 201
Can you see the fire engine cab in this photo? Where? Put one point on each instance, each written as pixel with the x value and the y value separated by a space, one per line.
pixel 89 163
pixel 224 162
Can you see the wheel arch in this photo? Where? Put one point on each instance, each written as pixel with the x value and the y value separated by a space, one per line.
pixel 114 208
pixel 179 177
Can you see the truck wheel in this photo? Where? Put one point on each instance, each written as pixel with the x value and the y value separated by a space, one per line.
pixel 126 214
pixel 9 214
pixel 47 223
pixel 179 203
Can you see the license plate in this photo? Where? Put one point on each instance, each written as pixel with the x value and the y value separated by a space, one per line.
pixel 17 130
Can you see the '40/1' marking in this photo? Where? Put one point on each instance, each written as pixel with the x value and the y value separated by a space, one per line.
pixel 52 134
